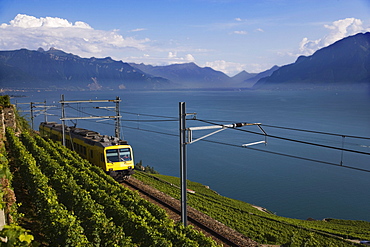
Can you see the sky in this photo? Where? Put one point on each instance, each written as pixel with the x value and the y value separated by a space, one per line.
pixel 226 35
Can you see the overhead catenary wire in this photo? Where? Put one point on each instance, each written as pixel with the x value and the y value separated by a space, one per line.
pixel 292 140
pixel 252 132
pixel 255 149
pixel 316 132
pixel 218 122
pixel 142 114
pixel 173 119
pixel 290 156
pixel 170 118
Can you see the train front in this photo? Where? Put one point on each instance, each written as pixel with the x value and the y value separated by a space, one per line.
pixel 119 161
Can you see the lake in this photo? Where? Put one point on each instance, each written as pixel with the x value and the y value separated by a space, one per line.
pixel 297 174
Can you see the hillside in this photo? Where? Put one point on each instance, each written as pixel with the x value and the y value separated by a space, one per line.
pixel 346 63
pixel 55 69
pixel 69 194
pixel 189 75
pixel 259 224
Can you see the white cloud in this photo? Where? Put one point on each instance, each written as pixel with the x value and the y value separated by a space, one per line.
pixel 260 30
pixel 241 32
pixel 172 54
pixel 79 38
pixel 173 58
pixel 26 21
pixel 138 30
pixel 338 30
pixel 189 58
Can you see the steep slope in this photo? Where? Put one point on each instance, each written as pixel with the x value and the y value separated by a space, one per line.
pixel 344 63
pixel 57 69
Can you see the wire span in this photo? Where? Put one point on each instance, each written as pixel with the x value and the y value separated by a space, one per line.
pixel 261 150
pixel 316 132
pixel 212 122
pixel 290 156
pixel 292 140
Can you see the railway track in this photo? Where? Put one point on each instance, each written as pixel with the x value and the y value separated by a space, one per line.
pixel 210 227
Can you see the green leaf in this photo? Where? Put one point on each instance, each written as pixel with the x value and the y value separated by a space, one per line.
pixel 26 238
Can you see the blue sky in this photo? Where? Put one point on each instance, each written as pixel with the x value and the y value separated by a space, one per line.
pixel 227 35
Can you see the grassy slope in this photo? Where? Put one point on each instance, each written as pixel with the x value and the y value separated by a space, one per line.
pixel 261 226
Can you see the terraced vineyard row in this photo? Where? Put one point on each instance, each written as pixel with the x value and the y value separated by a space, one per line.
pixel 79 205
pixel 261 226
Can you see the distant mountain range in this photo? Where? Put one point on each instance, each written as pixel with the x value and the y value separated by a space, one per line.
pixel 55 69
pixel 188 75
pixel 345 62
pixel 245 79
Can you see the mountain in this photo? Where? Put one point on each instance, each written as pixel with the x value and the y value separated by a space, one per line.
pixel 344 63
pixel 56 69
pixel 242 76
pixel 188 75
pixel 247 80
pixel 263 74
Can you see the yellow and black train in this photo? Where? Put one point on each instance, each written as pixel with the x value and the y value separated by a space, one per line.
pixel 113 155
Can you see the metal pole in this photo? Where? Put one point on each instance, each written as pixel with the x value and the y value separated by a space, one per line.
pixel 63 116
pixel 182 119
pixel 45 114
pixel 31 105
pixel 118 125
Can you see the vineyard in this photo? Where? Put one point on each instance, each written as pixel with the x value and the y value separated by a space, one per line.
pixel 65 201
pixel 77 204
pixel 263 227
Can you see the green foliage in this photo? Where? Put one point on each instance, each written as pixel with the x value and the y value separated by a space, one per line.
pixel 4 173
pixel 263 227
pixel 15 236
pixel 60 227
pixel 104 213
pixel 79 205
pixel 12 234
pixel 5 101
pixel 139 166
pixel 76 199
pixel 4 168
pixel 21 123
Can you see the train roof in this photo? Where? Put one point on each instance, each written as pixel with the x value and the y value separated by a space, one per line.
pixel 89 136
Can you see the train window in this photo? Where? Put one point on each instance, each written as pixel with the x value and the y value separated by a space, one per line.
pixel 125 154
pixel 117 155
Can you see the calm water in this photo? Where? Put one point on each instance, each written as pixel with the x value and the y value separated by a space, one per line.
pixel 291 187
